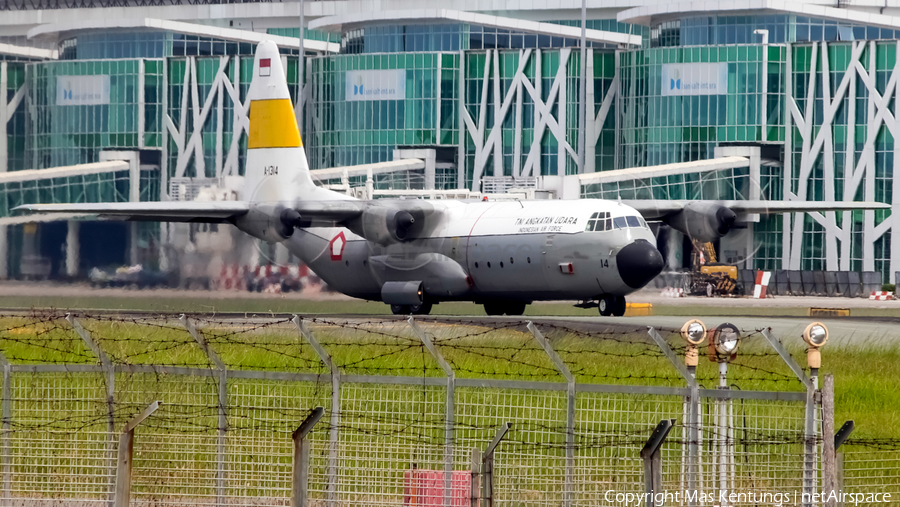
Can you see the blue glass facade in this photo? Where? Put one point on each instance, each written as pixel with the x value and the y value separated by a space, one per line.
pixel 728 30
pixel 150 44
pixel 443 37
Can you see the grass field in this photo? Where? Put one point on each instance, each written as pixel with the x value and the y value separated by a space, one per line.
pixel 240 302
pixel 392 425
pixel 865 374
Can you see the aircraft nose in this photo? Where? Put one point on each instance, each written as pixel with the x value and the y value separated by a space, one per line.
pixel 638 263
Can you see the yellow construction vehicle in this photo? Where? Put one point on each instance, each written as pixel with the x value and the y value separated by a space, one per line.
pixel 709 277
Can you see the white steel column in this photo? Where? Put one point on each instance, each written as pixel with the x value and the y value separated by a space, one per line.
pixel 301 68
pixel 4 117
pixel 587 141
pixel 788 158
pixel 497 129
pixel 4 156
pixel 582 91
pixel 461 127
pixel 141 104
pixel 437 100
pixel 72 248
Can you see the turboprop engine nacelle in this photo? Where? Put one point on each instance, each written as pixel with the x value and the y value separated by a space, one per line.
pixel 265 222
pixel 702 221
pixel 385 225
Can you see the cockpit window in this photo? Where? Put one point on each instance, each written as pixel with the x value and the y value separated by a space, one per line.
pixel 633 221
pixel 599 221
pixel 619 223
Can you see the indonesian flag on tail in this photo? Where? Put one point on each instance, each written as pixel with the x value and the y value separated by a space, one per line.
pixel 265 66
pixel 762 281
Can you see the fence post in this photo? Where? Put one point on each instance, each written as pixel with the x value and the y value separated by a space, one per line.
pixel 839 438
pixel 809 430
pixel 110 394
pixel 693 412
pixel 7 428
pixel 476 474
pixel 487 466
pixel 301 457
pixel 829 472
pixel 223 404
pixel 569 486
pixel 653 461
pixel 333 434
pixel 811 384
pixel 450 409
pixel 126 453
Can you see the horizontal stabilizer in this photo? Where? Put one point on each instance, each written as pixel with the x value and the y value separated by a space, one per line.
pixel 171 211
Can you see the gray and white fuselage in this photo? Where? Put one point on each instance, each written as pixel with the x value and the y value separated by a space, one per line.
pixel 482 251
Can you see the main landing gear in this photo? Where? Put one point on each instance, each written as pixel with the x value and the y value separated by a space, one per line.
pixel 611 305
pixel 422 309
pixel 512 308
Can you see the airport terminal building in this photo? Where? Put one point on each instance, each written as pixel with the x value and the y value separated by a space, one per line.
pixel 736 99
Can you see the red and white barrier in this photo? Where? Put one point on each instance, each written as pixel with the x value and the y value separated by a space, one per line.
pixel 882 296
pixel 762 282
pixel 232 277
pixel 672 292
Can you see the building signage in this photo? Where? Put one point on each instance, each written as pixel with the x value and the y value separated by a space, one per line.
pixel 694 78
pixel 376 85
pixel 82 90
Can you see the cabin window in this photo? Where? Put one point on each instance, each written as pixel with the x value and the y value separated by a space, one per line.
pixel 599 221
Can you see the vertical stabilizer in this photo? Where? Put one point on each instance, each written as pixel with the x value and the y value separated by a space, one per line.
pixel 276 170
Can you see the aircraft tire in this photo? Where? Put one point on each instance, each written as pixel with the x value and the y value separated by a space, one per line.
pixel 401 309
pixel 605 305
pixel 514 308
pixel 422 309
pixel 619 306
pixel 494 308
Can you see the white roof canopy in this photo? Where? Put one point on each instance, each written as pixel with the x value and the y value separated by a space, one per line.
pixel 335 23
pixel 55 29
pixel 30 53
pixel 639 173
pixel 64 171
pixel 331 173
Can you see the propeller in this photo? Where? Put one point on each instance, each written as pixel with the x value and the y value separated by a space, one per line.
pixel 403 221
pixel 290 220
pixel 725 217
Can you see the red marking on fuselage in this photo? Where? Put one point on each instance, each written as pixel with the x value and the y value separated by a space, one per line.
pixel 333 245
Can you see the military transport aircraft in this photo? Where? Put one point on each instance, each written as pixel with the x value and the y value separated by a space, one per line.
pixel 412 254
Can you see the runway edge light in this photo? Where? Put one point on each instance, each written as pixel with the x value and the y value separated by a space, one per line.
pixel 693 332
pixel 726 339
pixel 815 335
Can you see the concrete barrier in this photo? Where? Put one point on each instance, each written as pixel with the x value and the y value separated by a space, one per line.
pixel 819 279
pixel 831 284
pixel 855 285
pixel 871 281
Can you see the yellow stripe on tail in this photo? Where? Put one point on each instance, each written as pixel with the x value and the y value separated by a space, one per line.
pixel 273 125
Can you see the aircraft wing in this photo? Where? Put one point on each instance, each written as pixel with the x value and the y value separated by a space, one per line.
pixel 769 207
pixel 169 211
pixel 327 213
pixel 658 209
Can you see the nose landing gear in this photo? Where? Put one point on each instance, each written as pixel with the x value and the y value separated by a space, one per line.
pixel 611 305
pixel 422 309
pixel 511 308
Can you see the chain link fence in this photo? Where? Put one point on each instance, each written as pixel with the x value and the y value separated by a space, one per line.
pixel 411 413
